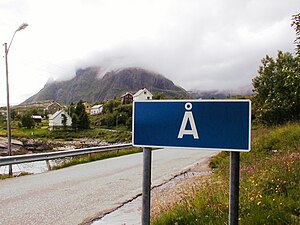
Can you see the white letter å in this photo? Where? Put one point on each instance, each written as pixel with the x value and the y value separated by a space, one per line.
pixel 188 116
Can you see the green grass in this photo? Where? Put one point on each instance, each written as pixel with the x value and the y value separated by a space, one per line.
pixel 5 176
pixel 269 184
pixel 42 133
pixel 95 157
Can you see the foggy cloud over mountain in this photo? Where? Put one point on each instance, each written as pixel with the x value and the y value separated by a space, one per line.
pixel 197 44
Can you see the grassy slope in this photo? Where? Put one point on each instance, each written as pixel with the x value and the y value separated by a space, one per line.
pixel 269 185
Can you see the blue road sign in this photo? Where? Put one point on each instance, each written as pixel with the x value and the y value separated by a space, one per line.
pixel 203 124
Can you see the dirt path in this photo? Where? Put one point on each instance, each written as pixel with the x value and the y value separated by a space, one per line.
pixel 174 191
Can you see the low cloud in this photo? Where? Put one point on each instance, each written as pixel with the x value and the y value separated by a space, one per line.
pixel 201 59
pixel 197 44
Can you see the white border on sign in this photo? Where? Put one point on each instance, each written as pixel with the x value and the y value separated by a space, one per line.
pixel 193 100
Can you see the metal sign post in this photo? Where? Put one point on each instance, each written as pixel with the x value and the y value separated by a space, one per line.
pixel 146 192
pixel 234 186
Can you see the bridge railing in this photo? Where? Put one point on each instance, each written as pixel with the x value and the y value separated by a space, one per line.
pixel 17 159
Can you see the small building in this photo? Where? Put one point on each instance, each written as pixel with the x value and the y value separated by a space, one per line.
pixel 96 109
pixel 57 119
pixel 37 118
pixel 87 107
pixel 126 98
pixel 142 94
pixel 53 107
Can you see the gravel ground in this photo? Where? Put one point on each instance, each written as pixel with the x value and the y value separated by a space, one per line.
pixel 165 196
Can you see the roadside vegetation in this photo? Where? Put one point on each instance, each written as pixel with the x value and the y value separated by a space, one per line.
pixel 269 184
pixel 4 176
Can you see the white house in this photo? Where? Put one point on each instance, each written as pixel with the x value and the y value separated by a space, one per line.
pixel 96 109
pixel 56 120
pixel 142 94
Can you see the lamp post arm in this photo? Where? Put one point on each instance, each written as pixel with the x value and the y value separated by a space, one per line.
pixel 6 52
pixel 21 27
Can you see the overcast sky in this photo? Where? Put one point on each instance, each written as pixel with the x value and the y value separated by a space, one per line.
pixel 198 44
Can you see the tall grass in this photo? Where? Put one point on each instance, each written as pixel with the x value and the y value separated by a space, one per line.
pixel 269 184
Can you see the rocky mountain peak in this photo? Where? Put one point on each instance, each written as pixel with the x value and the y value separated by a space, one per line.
pixel 89 86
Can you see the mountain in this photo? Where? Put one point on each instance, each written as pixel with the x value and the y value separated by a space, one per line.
pixel 88 86
pixel 221 94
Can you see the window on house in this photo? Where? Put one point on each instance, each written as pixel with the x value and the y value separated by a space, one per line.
pixel 62 118
pixel 145 92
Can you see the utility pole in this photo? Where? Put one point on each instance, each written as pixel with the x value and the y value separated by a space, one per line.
pixel 8 117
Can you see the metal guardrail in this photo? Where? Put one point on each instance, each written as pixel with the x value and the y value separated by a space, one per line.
pixel 17 159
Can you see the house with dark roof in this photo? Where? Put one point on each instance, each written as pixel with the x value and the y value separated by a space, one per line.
pixel 53 107
pixel 127 98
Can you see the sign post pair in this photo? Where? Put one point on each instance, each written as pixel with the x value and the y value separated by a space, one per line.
pixel 200 124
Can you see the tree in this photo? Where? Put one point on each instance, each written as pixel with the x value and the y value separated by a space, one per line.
pixel 110 105
pixel 74 121
pixel 277 89
pixel 296 25
pixel 13 114
pixel 27 121
pixel 80 119
pixel 71 109
pixel 110 119
pixel 115 115
pixel 159 95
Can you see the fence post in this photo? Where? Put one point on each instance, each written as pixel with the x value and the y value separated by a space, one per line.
pixel 48 164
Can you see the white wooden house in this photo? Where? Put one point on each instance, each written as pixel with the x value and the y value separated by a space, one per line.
pixel 142 94
pixel 96 109
pixel 56 120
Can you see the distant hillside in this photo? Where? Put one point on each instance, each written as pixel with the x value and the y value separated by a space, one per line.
pixel 37 106
pixel 221 94
pixel 86 85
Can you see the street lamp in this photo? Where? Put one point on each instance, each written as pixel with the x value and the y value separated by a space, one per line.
pixel 8 119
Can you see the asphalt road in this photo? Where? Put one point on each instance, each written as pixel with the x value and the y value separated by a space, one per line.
pixel 79 193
